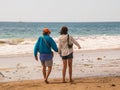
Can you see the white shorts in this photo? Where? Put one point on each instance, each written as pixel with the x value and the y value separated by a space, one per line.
pixel 47 63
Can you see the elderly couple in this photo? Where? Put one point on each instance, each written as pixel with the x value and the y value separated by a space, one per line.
pixel 65 48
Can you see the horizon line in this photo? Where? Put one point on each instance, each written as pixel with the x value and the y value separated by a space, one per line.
pixel 58 21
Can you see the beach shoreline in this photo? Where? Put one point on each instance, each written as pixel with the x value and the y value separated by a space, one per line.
pixel 93 63
pixel 16 46
pixel 92 70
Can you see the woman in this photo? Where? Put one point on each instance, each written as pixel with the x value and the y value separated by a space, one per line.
pixel 66 51
pixel 43 46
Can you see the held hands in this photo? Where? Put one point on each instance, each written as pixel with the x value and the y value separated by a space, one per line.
pixel 79 47
pixel 36 58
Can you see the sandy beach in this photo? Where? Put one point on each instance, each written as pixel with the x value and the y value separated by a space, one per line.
pixel 94 83
pixel 92 70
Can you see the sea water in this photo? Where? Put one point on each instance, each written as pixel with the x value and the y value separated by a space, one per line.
pixel 34 29
pixel 20 37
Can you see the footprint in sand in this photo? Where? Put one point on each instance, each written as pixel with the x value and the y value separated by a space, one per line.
pixel 99 58
pixel 1 76
pixel 113 85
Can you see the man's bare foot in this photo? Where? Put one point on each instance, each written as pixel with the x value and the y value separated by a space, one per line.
pixel 46 82
pixel 64 81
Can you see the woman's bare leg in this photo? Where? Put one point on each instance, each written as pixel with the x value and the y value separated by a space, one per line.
pixel 70 69
pixel 64 69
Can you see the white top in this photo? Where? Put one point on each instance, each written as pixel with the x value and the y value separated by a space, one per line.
pixel 63 45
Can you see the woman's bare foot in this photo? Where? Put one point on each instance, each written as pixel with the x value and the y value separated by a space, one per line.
pixel 71 81
pixel 63 81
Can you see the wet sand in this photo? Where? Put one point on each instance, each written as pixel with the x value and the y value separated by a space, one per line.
pixel 97 69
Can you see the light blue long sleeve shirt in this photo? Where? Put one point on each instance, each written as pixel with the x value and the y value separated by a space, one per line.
pixel 42 47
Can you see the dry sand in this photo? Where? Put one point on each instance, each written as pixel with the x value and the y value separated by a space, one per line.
pixel 91 83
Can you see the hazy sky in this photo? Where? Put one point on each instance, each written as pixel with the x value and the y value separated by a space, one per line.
pixel 60 10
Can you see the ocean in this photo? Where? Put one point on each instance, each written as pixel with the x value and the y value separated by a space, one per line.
pixel 34 29
pixel 20 37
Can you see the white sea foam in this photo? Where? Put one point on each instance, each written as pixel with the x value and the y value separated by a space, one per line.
pixel 99 42
pixel 25 46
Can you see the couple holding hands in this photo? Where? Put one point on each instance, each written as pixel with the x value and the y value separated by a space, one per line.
pixel 44 46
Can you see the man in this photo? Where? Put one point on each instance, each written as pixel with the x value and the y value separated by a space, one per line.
pixel 43 46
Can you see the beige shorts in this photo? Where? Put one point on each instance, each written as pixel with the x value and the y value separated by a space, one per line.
pixel 47 63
